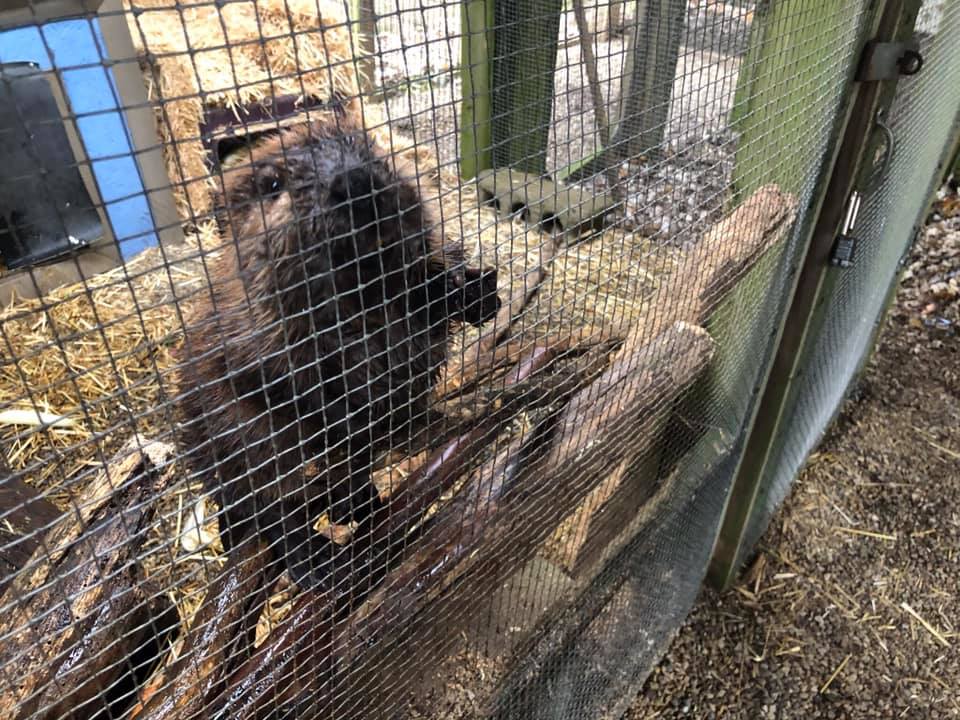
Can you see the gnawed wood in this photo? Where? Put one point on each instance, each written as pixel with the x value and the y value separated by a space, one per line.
pixel 495 522
pixel 719 261
pixel 80 609
pixel 715 265
pixel 127 466
pixel 220 637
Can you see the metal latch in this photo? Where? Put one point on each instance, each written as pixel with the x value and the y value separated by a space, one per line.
pixel 845 246
pixel 888 60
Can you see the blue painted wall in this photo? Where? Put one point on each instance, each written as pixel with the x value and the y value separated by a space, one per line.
pixel 76 49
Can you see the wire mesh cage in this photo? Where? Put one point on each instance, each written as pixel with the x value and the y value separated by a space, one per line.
pixel 922 120
pixel 397 357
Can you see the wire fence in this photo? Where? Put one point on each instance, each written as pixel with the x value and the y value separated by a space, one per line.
pixel 393 358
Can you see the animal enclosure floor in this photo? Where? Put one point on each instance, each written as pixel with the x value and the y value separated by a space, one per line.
pixel 851 608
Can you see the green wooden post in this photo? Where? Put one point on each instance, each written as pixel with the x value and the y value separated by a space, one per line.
pixel 780 94
pixel 646 87
pixel 527 33
pixel 476 72
pixel 745 85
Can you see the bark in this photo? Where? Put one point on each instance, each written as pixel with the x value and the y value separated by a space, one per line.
pixel 80 610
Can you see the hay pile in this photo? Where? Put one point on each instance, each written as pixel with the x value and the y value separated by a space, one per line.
pixel 92 359
pixel 201 56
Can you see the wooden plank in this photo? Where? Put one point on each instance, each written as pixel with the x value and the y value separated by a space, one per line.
pixel 476 72
pixel 527 35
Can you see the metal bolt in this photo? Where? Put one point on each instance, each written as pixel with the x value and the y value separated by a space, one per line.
pixel 910 62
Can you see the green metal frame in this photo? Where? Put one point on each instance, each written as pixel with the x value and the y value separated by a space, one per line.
pixel 807 309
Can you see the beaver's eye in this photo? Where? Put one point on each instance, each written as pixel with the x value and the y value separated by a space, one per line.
pixel 268 181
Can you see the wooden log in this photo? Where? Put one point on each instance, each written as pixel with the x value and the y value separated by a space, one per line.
pixel 80 608
pixel 455 396
pixel 480 357
pixel 717 263
pixel 158 631
pixel 721 259
pixel 24 514
pixel 505 509
pixel 392 530
pixel 220 637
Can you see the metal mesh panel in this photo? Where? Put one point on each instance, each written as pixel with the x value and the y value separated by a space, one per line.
pixel 923 120
pixel 409 384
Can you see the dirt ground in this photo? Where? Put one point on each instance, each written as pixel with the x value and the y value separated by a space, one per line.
pixel 851 608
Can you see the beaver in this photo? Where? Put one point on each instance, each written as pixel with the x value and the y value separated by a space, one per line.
pixel 316 345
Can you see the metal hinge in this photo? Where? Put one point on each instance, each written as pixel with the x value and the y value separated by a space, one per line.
pixel 889 60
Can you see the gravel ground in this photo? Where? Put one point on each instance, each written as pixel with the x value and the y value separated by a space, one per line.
pixel 851 608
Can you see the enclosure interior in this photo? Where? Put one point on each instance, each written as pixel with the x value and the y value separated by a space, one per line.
pixel 539 508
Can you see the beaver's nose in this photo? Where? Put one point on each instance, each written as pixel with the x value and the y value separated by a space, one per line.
pixel 355 188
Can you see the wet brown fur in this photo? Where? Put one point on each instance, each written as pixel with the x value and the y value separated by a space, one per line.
pixel 324 328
